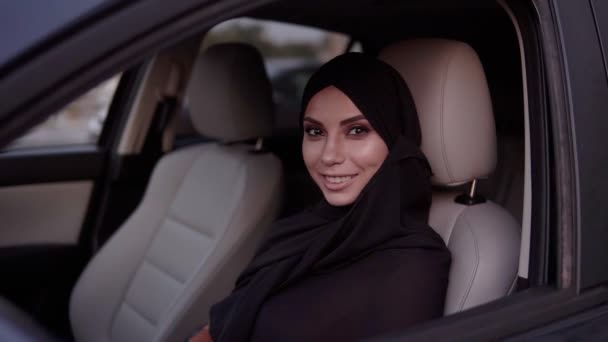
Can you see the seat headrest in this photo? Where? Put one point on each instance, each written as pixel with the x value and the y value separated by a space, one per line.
pixel 451 94
pixel 229 94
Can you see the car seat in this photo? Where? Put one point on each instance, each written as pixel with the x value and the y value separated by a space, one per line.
pixel 204 211
pixel 451 94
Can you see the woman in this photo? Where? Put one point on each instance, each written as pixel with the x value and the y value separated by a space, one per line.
pixel 363 261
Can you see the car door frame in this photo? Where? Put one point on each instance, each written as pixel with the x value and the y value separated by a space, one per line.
pixel 38 275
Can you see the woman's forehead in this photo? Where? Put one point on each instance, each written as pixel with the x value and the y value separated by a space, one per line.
pixel 331 104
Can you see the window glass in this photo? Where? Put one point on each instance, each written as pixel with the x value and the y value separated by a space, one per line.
pixel 356 47
pixel 291 54
pixel 80 122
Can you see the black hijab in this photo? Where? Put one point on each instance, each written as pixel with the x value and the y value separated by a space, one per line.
pixel 390 212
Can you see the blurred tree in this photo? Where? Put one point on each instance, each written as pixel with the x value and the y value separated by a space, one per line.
pixel 254 34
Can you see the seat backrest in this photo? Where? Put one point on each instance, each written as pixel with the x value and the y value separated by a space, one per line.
pixel 451 94
pixel 203 213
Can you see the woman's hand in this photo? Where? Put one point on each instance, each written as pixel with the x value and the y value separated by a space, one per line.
pixel 202 336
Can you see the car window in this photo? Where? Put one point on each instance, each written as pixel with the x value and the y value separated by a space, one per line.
pixel 80 122
pixel 291 54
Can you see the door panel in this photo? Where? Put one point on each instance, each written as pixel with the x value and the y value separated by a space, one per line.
pixel 51 179
pixel 45 202
pixel 50 213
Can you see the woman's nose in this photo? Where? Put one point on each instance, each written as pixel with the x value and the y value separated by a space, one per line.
pixel 332 152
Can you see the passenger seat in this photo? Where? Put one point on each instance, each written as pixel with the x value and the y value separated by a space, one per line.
pixel 201 217
pixel 451 94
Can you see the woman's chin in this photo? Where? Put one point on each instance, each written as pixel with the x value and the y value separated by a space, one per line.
pixel 339 199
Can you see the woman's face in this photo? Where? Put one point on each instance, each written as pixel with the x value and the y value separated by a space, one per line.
pixel 341 149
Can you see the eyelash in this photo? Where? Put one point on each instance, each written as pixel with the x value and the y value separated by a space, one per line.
pixel 357 131
pixel 309 131
pixel 362 130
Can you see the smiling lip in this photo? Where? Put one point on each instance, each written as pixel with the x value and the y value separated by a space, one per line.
pixel 337 183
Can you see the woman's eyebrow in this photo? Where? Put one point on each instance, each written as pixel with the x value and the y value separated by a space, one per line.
pixel 307 118
pixel 352 119
pixel 342 123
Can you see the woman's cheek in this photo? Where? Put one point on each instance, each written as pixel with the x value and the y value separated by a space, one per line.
pixel 369 152
pixel 310 154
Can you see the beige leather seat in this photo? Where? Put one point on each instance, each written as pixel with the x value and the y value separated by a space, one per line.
pixel 200 218
pixel 459 138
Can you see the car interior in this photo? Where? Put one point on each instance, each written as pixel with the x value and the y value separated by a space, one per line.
pixel 205 164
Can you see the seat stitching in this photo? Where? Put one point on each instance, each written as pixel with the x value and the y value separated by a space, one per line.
pixel 199 234
pixel 132 307
pixel 470 286
pixel 190 226
pixel 172 276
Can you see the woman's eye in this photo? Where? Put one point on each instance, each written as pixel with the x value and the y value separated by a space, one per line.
pixel 358 130
pixel 313 131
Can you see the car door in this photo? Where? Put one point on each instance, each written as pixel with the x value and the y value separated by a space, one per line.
pixel 60 198
pixel 52 180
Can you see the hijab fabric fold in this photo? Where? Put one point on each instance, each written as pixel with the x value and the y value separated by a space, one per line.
pixel 390 213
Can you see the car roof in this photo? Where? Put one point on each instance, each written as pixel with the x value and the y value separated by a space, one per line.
pixel 29 23
pixel 368 20
pixel 30 26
